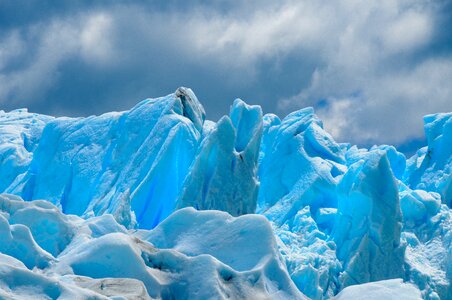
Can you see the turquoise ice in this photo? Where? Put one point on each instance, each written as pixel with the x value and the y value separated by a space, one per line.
pixel 169 203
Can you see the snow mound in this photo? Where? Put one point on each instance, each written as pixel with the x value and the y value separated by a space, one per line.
pixel 100 258
pixel 394 289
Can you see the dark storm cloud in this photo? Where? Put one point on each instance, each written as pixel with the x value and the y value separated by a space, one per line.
pixel 358 64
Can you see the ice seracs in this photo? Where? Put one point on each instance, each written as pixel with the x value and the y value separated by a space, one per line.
pixel 431 168
pixel 130 164
pixel 224 174
pixel 299 168
pixel 369 222
pixel 143 204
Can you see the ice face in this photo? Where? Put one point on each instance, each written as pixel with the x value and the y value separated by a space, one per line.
pixel 299 168
pixel 316 217
pixel 299 165
pixel 130 164
pixel 223 176
pixel 20 132
pixel 369 222
pixel 430 168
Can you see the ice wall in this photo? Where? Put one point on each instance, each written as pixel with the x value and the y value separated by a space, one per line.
pixel 20 132
pixel 130 164
pixel 369 222
pixel 430 168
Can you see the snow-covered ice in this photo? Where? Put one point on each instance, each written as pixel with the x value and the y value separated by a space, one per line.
pixel 182 258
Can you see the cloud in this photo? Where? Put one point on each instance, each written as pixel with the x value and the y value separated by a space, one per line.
pixel 44 47
pixel 95 38
pixel 376 70
pixel 413 29
pixel 11 46
pixel 390 108
pixel 358 63
pixel 37 73
pixel 266 33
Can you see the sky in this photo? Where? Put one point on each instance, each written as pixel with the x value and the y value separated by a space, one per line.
pixel 371 69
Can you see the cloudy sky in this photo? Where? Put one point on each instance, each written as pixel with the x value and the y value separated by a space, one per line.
pixel 371 69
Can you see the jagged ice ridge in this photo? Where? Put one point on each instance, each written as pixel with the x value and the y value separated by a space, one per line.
pixel 158 202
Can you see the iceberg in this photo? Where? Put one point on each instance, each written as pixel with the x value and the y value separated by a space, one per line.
pixel 160 202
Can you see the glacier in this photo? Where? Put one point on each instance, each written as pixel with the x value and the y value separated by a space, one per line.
pixel 158 202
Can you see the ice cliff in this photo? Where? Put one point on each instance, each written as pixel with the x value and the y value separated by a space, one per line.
pixel 158 202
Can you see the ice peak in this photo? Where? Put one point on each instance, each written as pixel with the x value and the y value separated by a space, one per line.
pixel 192 108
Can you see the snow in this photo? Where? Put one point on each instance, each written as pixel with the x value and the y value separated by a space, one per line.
pixel 159 202
pixel 393 289
pixel 17 282
pixel 181 258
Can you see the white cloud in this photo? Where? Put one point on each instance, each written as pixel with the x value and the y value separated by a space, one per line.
pixel 38 74
pixel 96 38
pixel 390 107
pixel 10 47
pixel 266 33
pixel 359 48
pixel 50 45
pixel 367 55
pixel 413 29
pixel 375 91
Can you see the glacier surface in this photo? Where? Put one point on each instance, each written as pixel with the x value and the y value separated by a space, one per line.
pixel 160 203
